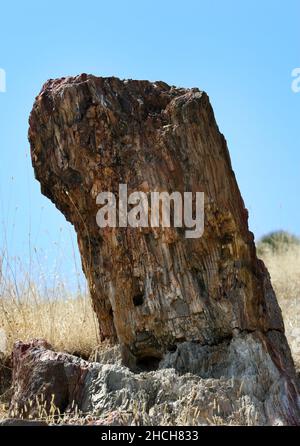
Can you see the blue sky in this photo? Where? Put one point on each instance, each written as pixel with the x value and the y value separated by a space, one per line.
pixel 241 53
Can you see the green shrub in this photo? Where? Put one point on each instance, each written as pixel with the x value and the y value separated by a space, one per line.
pixel 277 241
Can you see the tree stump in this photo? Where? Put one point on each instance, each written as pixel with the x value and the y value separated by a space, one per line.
pixel 154 289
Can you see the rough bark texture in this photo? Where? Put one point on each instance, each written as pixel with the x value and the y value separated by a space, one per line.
pixel 153 289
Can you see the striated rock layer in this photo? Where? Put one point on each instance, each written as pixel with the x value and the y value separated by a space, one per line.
pixel 153 289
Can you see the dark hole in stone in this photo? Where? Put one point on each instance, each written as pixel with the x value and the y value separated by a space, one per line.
pixel 138 299
pixel 147 363
pixel 81 355
pixel 172 348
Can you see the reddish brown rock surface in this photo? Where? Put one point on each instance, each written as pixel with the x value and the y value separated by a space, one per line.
pixel 153 289
pixel 43 378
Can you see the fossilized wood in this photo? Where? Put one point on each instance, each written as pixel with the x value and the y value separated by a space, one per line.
pixel 89 134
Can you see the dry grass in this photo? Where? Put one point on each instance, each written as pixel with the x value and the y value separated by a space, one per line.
pixel 283 264
pixel 67 324
pixel 36 309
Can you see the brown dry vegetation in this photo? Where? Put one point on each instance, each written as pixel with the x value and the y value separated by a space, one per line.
pixel 282 258
pixel 67 324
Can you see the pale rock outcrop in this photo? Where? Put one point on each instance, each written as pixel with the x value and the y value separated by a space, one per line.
pixel 252 391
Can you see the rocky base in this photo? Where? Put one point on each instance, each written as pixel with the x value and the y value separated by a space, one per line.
pixel 224 388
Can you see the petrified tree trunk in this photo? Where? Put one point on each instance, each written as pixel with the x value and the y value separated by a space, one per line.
pixel 88 135
pixel 152 288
